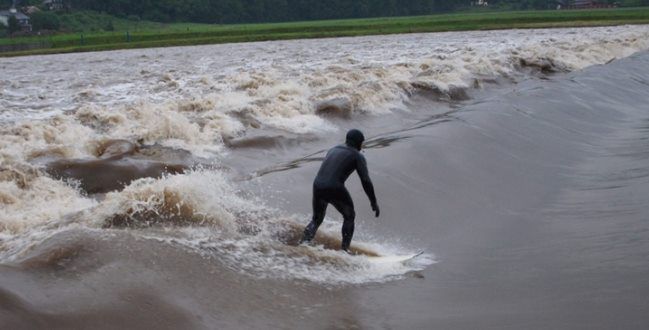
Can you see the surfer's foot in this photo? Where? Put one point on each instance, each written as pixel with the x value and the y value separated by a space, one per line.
pixel 306 242
pixel 348 251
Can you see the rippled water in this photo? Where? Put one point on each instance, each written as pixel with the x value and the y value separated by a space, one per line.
pixel 177 181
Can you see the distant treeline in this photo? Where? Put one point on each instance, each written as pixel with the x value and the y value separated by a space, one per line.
pixel 247 11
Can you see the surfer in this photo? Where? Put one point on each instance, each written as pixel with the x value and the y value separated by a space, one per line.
pixel 329 186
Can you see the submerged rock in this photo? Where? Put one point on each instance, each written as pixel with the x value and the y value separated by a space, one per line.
pixel 338 107
pixel 431 91
pixel 543 64
pixel 118 163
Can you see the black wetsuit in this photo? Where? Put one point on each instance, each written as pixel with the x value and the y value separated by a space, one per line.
pixel 329 188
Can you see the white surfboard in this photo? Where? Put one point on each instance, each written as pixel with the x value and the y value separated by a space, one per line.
pixel 394 258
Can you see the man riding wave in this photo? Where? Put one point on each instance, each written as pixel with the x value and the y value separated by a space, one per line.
pixel 329 186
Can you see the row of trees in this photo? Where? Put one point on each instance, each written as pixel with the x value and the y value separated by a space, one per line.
pixel 239 11
pixel 245 11
pixel 44 20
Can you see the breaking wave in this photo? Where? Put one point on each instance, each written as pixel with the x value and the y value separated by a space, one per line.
pixel 290 86
pixel 200 210
pixel 161 126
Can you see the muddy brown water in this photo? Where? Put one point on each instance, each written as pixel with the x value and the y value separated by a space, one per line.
pixel 530 198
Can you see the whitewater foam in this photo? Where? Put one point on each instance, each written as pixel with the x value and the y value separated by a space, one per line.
pixel 263 257
pixel 195 101
pixel 203 212
pixel 199 98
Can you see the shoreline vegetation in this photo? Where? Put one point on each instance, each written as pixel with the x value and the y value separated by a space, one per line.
pixel 142 34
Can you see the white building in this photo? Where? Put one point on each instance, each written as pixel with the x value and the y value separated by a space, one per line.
pixel 53 4
pixel 23 20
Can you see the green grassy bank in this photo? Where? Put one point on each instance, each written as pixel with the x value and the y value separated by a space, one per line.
pixel 147 34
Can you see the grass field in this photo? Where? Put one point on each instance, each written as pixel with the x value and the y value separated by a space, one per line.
pixel 148 34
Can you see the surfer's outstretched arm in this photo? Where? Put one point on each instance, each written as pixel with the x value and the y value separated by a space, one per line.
pixel 361 168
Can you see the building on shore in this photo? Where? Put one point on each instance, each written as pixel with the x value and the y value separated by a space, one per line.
pixel 23 20
pixel 54 5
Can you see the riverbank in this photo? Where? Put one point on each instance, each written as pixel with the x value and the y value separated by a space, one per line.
pixel 181 34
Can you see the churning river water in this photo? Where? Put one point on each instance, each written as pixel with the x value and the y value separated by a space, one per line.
pixel 166 188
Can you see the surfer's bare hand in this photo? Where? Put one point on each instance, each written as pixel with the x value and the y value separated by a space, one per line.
pixel 375 208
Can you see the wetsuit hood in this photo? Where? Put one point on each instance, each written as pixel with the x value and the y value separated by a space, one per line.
pixel 355 139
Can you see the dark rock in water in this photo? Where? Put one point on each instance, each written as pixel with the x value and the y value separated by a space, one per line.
pixel 104 175
pixel 544 65
pixel 266 140
pixel 457 93
pixel 163 154
pixel 425 88
pixel 338 107
pixel 430 91
pixel 119 163
pixel 263 142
